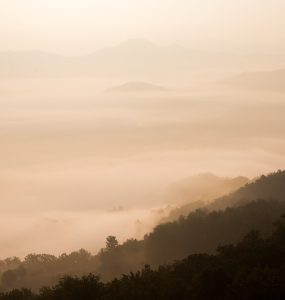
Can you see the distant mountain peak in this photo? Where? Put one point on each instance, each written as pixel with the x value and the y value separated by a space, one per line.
pixel 137 86
pixel 137 43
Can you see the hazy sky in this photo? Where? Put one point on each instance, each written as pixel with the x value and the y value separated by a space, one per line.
pixel 81 26
pixel 75 160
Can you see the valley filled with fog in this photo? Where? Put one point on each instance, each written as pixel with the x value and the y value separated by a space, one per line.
pixel 89 157
pixel 142 150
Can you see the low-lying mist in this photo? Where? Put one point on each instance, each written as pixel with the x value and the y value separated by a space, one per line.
pixel 79 163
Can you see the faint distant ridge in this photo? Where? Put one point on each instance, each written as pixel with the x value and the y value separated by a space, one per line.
pixel 198 191
pixel 262 80
pixel 236 192
pixel 136 87
pixel 133 58
pixel 269 187
pixel 137 43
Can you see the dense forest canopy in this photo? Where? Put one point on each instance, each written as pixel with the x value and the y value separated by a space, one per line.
pixel 202 231
pixel 264 187
pixel 252 269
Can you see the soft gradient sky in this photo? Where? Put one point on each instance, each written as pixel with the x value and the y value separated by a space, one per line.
pixel 76 161
pixel 81 26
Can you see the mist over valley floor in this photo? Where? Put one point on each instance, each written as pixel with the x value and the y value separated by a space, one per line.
pixel 142 150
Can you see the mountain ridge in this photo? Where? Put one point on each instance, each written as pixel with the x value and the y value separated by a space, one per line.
pixel 202 231
pixel 136 86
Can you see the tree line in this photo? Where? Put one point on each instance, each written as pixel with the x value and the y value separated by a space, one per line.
pixel 252 269
pixel 202 231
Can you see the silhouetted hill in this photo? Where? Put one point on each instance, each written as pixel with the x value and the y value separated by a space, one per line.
pixel 266 80
pixel 201 231
pixel 137 86
pixel 197 191
pixel 225 192
pixel 267 187
pixel 252 269
pixel 136 57
pixel 131 46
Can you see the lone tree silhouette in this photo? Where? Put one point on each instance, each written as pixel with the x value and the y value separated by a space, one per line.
pixel 111 243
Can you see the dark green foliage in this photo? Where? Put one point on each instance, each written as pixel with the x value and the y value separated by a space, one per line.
pixel 111 243
pixel 73 288
pixel 23 294
pixel 37 270
pixel 200 232
pixel 204 232
pixel 267 187
pixel 253 269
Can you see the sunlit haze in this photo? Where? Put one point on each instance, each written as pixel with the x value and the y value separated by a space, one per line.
pixel 76 27
pixel 109 109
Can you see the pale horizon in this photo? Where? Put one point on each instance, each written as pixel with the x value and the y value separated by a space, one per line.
pixel 81 27
pixel 141 95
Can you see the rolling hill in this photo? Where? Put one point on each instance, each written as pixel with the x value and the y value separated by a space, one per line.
pixel 133 58
pixel 202 231
pixel 197 191
pixel 135 87
pixel 270 187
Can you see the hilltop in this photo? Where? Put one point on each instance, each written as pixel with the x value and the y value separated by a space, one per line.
pixel 137 86
pixel 270 187
pixel 202 231
pixel 198 191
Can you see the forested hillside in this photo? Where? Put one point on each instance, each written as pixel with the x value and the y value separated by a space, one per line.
pixel 254 207
pixel 253 269
pixel 267 187
pixel 198 191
